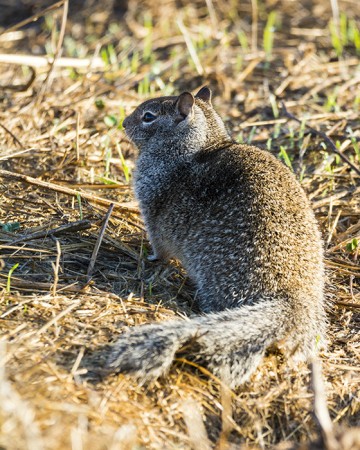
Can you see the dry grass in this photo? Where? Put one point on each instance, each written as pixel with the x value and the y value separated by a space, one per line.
pixel 60 129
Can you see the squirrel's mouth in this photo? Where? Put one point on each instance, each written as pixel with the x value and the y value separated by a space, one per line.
pixel 129 133
pixel 132 140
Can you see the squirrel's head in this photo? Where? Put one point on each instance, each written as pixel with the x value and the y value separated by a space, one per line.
pixel 188 123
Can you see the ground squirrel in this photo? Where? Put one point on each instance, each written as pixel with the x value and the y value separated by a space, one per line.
pixel 242 227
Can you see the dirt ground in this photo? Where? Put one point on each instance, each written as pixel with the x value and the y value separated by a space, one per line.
pixel 73 248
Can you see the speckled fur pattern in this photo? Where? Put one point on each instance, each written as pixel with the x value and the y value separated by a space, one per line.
pixel 242 227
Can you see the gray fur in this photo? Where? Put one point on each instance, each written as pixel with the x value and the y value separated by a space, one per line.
pixel 242 227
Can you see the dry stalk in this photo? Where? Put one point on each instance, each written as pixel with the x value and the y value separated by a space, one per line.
pixel 226 418
pixel 56 267
pixel 190 46
pixel 13 136
pixel 23 86
pixel 44 61
pixel 66 190
pixel 212 14
pixel 15 412
pixel 195 425
pixel 47 82
pixel 55 319
pixel 254 24
pixel 33 18
pixel 72 227
pixel 98 241
pixel 321 409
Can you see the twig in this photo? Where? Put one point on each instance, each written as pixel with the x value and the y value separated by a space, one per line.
pixel 336 15
pixel 321 409
pixel 13 136
pixel 27 285
pixel 17 408
pixel 65 190
pixel 98 241
pixel 333 227
pixel 226 416
pixel 326 138
pixel 190 46
pixel 24 86
pixel 77 136
pixel 212 14
pixel 195 425
pixel 67 228
pixel 25 249
pixel 77 361
pixel 33 18
pixel 58 317
pixel 248 70
pixel 56 267
pixel 45 61
pixel 348 304
pixel 47 81
pixel 207 372
pixel 254 25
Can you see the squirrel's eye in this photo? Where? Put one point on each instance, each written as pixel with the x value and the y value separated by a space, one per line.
pixel 148 117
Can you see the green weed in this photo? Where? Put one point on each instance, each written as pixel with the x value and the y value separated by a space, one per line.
pixel 109 56
pixel 50 26
pixel 124 166
pixel 346 33
pixel 354 142
pixel 354 34
pixel 8 283
pixel 106 180
pixel 239 63
pixel 352 245
pixel 251 135
pixel 283 154
pixel 240 138
pixel 274 106
pixel 291 138
pixel 243 41
pixel 336 40
pixel 302 174
pixel 331 101
pixel 269 34
pixel 302 129
pixel 148 40
pixel 111 121
pixel 122 116
pixel 277 130
pixel 78 197
pixel 99 103
pixel 144 86
pixel 269 144
pixel 135 62
pixel 108 155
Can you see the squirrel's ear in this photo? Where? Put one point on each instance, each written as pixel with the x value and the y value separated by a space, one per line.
pixel 204 94
pixel 184 104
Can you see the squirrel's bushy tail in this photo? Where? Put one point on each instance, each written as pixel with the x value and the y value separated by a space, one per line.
pixel 230 343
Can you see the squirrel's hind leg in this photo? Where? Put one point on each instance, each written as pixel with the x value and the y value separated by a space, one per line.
pixel 235 367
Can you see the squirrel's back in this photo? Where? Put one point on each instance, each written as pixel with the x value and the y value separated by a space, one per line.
pixel 242 227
